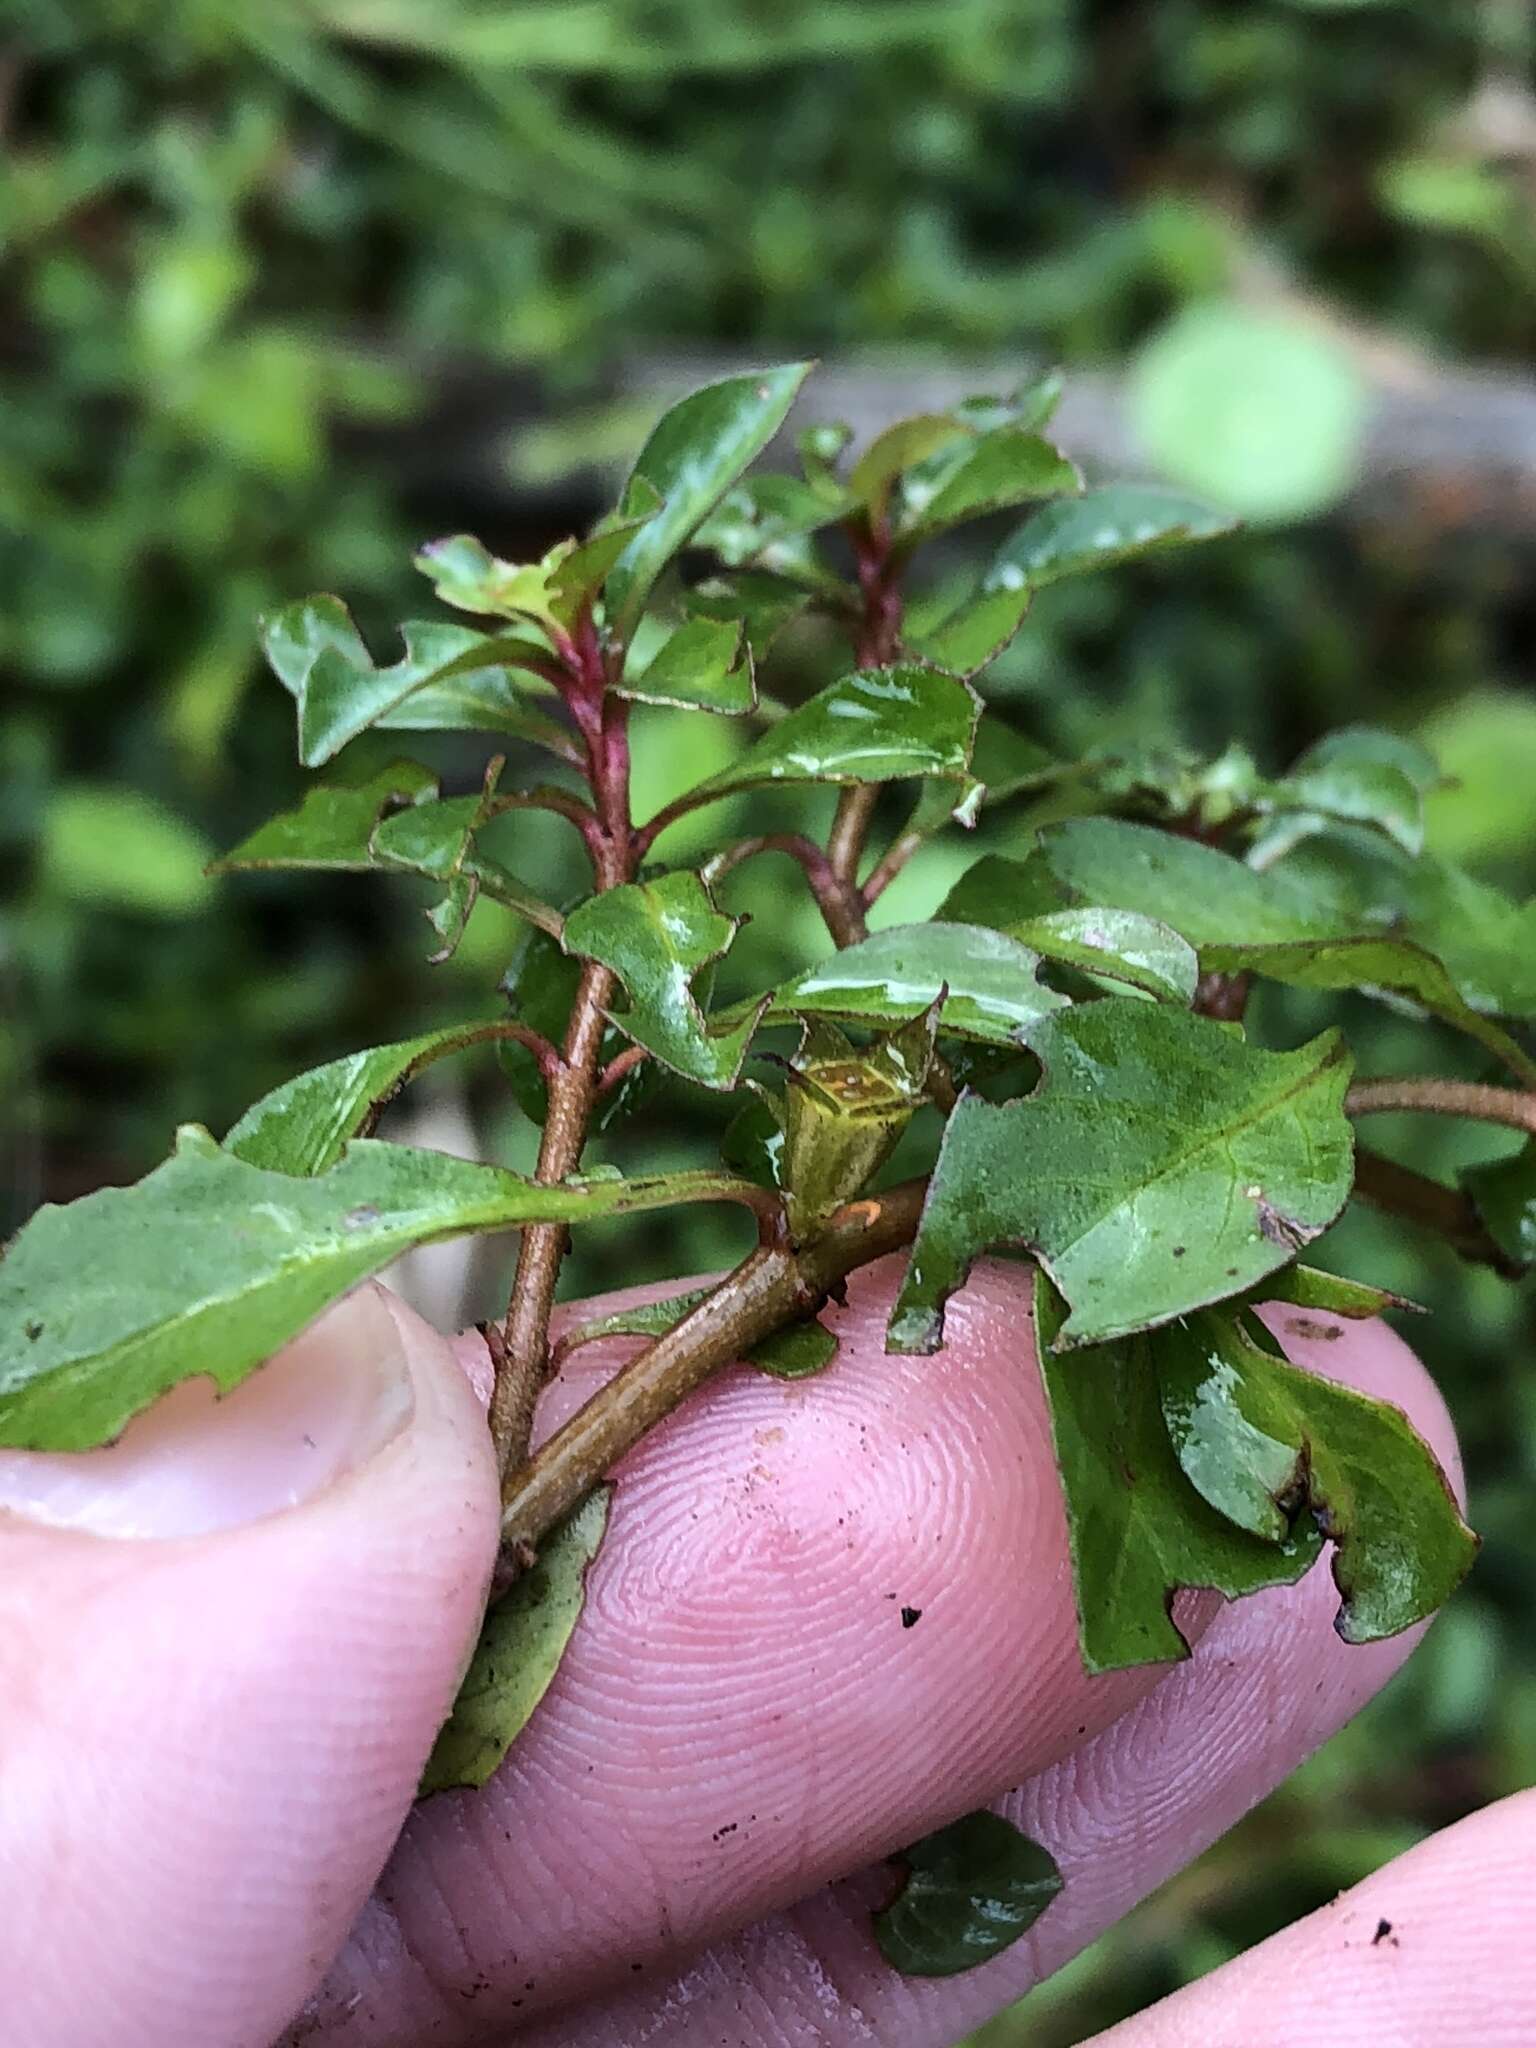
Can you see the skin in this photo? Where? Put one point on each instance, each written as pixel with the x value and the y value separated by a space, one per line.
pixel 218 1684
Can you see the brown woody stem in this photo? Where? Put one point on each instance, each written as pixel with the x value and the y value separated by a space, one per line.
pixel 1399 1191
pixel 772 1286
pixel 1511 1107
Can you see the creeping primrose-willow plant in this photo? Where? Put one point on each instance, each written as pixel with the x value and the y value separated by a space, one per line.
pixel 1071 1019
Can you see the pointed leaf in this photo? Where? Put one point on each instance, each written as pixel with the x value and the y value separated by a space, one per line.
pixel 1101 528
pixel 209 1265
pixel 1006 467
pixel 761 512
pixel 302 1126
pixel 971 1890
pixel 657 936
pixel 894 975
pixel 1163 1163
pixel 975 632
pixel 876 725
pixel 1364 776
pixel 578 577
pixel 521 1643
pixel 901 447
pixel 1309 1287
pixel 699 666
pixel 1139 1531
pixel 483 700
pixel 694 455
pixel 1505 1194
pixel 333 827
pixel 1257 1437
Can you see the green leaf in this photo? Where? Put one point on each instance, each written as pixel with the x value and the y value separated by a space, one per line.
pixel 482 700
pixel 1259 1438
pixel 1332 1294
pixel 975 632
pixel 797 1352
pixel 333 825
pixel 876 725
pixel 694 454
pixel 1138 1529
pixel 321 658
pixel 902 447
pixel 210 1264
pixel 894 975
pixel 702 665
pixel 751 522
pixel 521 1643
pixel 302 1126
pixel 437 839
pixel 971 1890
pixel 1119 945
pixel 1162 1164
pixel 1113 524
pixel 1505 1194
pixel 1366 777
pixel 1006 467
pixel 468 576
pixel 762 605
pixel 657 936
pixel 576 577
pixel 542 982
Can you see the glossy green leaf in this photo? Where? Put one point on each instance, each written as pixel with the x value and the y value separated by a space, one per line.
pixel 333 826
pixel 894 975
pixel 1139 1531
pixel 1114 523
pixel 1008 466
pixel 541 983
pixel 320 656
pixel 1260 1439
pixel 694 455
pixel 436 839
pixel 302 1126
pixel 576 576
pixel 902 447
pixel 1162 1164
pixel 970 1890
pixel 1009 763
pixel 483 700
pixel 210 1264
pixel 975 632
pixel 761 604
pixel 700 665
pixel 876 725
pixel 657 937
pixel 523 1638
pixel 1505 1194
pixel 797 1352
pixel 1119 945
pixel 752 1143
pixel 1366 777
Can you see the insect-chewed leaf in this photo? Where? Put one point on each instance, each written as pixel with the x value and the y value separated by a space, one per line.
pixel 321 658
pixel 437 839
pixel 797 1352
pixel 1139 1531
pixel 657 936
pixel 876 725
pixel 302 1126
pixel 1112 524
pixel 971 1889
pixel 694 455
pixel 990 981
pixel 210 1264
pixel 702 665
pixel 1162 1164
pixel 1260 1440
pixel 1505 1194
pixel 1118 945
pixel 333 826
pixel 468 576
pixel 521 1643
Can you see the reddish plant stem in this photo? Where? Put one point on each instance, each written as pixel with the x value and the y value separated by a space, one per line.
pixel 1399 1191
pixel 1511 1107
pixel 572 1084
pixel 837 900
pixel 773 1286
pixel 622 1064
pixel 879 642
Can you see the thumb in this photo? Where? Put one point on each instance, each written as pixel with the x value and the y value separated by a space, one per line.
pixel 226 1643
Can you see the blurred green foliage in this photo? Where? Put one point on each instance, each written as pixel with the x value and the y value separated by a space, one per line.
pixel 242 247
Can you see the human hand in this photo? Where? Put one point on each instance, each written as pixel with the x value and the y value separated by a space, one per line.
pixel 209 1736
